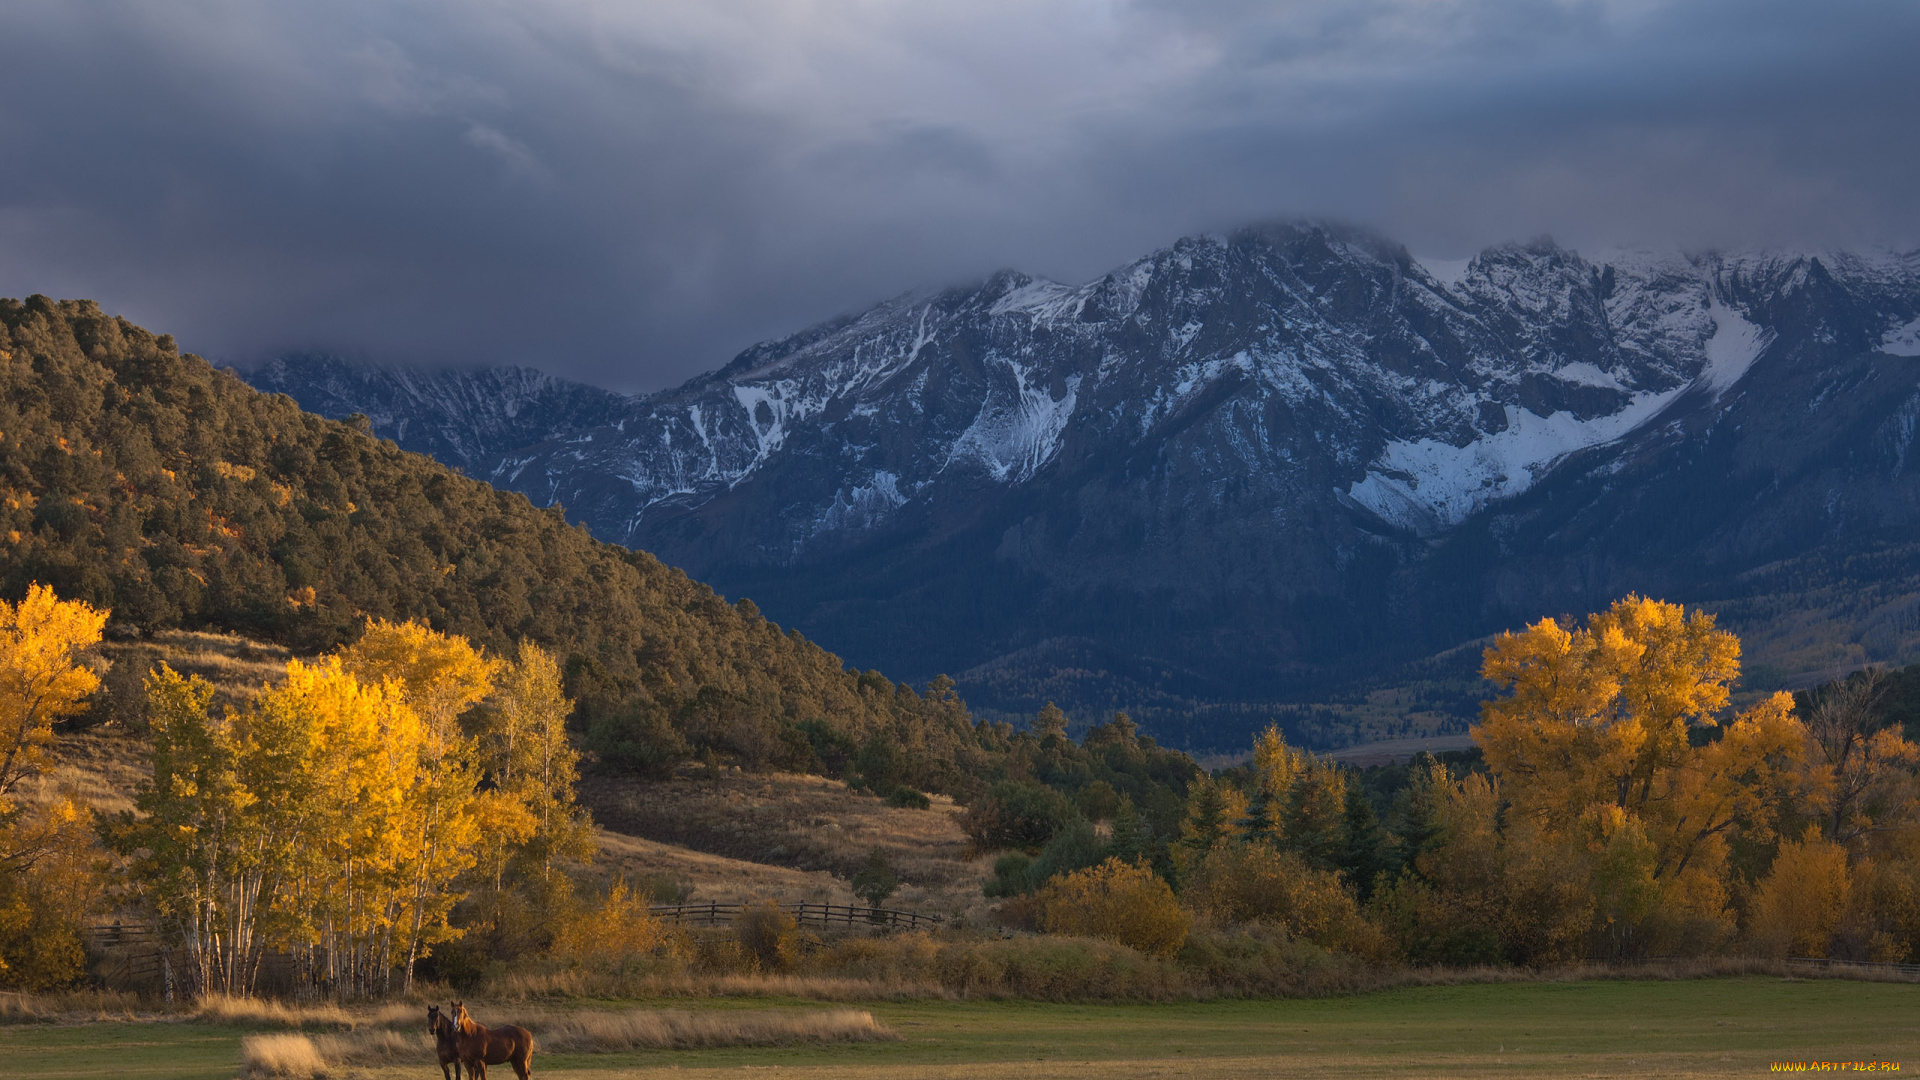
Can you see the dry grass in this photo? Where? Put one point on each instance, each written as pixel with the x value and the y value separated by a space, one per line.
pixel 267 1012
pixel 104 764
pixel 74 1007
pixel 281 1055
pixel 803 823
pixel 672 1029
pixel 575 1032
pixel 525 985
pixel 715 877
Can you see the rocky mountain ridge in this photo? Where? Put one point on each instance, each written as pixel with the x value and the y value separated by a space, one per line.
pixel 1251 467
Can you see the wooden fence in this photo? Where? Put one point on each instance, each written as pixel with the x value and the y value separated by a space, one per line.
pixel 135 956
pixel 825 915
pixel 1908 972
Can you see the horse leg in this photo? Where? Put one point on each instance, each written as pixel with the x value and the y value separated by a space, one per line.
pixel 523 1063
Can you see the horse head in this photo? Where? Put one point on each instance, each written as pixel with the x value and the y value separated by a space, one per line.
pixel 433 1019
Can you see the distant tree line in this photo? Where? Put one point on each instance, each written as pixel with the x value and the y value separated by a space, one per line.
pixel 1616 807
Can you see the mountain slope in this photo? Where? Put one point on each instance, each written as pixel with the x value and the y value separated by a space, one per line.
pixel 141 479
pixel 461 418
pixel 1256 466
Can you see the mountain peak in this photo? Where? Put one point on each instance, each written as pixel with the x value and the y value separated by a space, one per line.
pixel 1241 454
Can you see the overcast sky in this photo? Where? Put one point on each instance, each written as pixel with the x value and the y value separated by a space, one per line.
pixel 630 192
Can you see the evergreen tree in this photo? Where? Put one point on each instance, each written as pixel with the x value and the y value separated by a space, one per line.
pixel 1366 844
pixel 1131 834
pixel 1258 826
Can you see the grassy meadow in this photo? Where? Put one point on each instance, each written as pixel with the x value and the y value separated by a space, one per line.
pixel 1703 1027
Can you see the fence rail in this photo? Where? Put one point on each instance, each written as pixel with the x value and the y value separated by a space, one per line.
pixel 137 953
pixel 1909 970
pixel 714 913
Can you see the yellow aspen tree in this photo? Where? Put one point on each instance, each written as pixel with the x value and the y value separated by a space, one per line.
pixel 348 828
pixel 440 677
pixel 1275 763
pixel 524 750
pixel 185 847
pixel 41 680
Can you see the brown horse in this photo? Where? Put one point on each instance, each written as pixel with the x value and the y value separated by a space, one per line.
pixel 444 1035
pixel 478 1047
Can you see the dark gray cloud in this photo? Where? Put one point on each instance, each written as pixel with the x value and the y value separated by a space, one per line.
pixel 628 193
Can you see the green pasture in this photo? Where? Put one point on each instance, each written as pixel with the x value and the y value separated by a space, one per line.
pixel 1709 1027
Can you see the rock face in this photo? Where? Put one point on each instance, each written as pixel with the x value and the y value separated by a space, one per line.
pixel 1249 467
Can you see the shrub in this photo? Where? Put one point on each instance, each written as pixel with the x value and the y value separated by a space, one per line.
pixel 1117 901
pixel 1017 814
pixel 767 936
pixel 1259 959
pixel 618 931
pixel 1253 882
pixel 1075 847
pixel 876 880
pixel 638 739
pixel 907 798
pixel 1058 969
pixel 1009 875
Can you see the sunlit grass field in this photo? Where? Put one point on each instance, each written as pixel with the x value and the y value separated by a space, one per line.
pixel 1708 1027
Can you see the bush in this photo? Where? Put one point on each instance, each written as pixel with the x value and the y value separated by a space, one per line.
pixel 876 880
pixel 907 798
pixel 1018 814
pixel 639 740
pixel 767 936
pixel 1073 848
pixel 1056 970
pixel 1262 960
pixel 617 931
pixel 1117 901
pixel 1009 875
pixel 1257 883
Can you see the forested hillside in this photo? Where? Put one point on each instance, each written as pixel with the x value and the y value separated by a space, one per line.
pixel 142 480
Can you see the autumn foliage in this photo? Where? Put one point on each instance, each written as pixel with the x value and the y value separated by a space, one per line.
pixel 1119 901
pixel 341 815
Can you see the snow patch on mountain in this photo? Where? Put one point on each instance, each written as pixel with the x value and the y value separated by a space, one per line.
pixel 1426 485
pixel 1587 374
pixel 1018 428
pixel 1734 346
pixel 1902 340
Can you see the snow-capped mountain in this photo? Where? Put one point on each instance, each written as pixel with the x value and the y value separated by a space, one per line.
pixel 1242 464
pixel 466 419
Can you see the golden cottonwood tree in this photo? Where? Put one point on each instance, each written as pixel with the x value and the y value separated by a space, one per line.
pixel 1861 775
pixel 1119 901
pixel 1593 747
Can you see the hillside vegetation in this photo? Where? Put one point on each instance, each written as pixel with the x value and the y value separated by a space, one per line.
pixel 142 480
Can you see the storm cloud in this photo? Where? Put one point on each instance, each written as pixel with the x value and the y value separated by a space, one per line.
pixel 628 193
